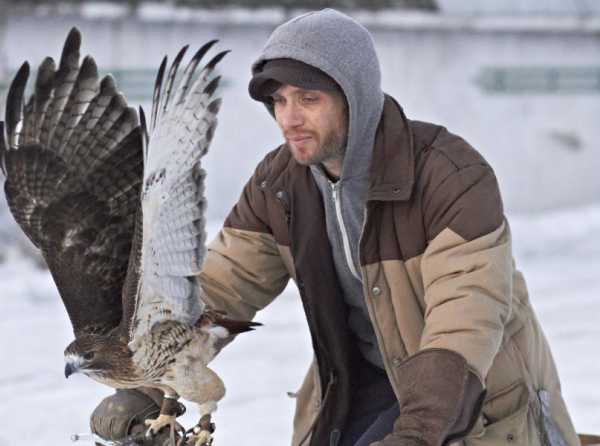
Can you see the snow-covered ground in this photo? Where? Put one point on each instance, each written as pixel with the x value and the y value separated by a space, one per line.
pixel 559 253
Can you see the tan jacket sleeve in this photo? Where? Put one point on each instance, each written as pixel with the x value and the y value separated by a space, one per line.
pixel 244 271
pixel 467 267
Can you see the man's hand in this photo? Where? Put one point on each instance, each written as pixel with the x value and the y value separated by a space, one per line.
pixel 440 400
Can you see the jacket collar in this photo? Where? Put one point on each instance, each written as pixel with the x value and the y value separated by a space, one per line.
pixel 393 163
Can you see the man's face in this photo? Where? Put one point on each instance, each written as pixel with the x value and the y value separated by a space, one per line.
pixel 314 124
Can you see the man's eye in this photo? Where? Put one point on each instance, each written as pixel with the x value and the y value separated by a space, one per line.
pixel 310 99
pixel 277 100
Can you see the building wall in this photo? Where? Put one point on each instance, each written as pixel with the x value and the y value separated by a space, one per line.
pixel 542 143
pixel 538 127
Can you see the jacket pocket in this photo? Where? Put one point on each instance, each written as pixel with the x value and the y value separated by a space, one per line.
pixel 507 419
pixel 505 402
pixel 513 430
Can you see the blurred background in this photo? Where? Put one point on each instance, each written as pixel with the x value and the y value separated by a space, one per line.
pixel 519 79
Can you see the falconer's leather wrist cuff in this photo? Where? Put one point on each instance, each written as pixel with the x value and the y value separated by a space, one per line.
pixel 440 399
pixel 114 418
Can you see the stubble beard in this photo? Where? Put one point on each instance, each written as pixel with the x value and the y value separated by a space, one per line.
pixel 333 149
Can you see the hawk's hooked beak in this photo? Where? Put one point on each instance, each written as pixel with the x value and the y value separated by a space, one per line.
pixel 70 368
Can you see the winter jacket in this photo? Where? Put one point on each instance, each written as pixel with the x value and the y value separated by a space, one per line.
pixel 437 272
pixel 314 39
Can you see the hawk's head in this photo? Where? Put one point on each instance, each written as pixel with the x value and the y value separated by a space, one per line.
pixel 95 355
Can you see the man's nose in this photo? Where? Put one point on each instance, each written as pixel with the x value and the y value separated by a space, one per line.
pixel 289 116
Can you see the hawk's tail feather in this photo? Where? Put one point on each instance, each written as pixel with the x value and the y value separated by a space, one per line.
pixel 234 326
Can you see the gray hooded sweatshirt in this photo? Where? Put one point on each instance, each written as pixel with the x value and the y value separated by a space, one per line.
pixel 342 48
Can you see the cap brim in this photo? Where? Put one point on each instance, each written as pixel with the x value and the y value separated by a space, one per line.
pixel 262 86
pixel 289 72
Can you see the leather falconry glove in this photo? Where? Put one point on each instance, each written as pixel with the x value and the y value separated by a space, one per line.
pixel 121 416
pixel 440 400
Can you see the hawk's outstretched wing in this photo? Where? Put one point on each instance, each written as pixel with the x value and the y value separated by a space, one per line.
pixel 169 246
pixel 72 156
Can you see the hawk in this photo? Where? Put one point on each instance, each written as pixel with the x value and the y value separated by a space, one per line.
pixel 117 208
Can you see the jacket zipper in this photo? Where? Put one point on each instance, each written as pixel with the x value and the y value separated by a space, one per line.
pixel 335 188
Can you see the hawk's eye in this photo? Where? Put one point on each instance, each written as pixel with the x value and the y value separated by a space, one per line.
pixel 88 356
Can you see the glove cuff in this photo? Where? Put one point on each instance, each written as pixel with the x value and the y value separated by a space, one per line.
pixel 440 398
pixel 114 417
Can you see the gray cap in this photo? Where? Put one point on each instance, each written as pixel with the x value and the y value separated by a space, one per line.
pixel 275 72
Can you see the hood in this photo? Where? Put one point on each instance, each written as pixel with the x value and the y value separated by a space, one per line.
pixel 341 47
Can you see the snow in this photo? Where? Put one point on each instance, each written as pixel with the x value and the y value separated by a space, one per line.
pixel 558 252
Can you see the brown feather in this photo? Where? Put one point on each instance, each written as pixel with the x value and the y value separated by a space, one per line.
pixel 74 174
pixel 219 318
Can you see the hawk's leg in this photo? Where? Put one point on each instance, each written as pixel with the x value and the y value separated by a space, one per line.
pixel 169 411
pixel 202 432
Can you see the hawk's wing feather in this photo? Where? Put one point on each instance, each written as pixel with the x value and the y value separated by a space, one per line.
pixel 83 90
pixel 14 112
pixel 41 99
pixel 171 245
pixel 156 94
pixel 3 147
pixel 166 94
pixel 64 81
pixel 73 163
pixel 189 71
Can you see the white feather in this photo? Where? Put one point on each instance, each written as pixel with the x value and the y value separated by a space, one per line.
pixel 174 207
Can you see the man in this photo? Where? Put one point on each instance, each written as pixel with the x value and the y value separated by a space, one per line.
pixel 394 232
